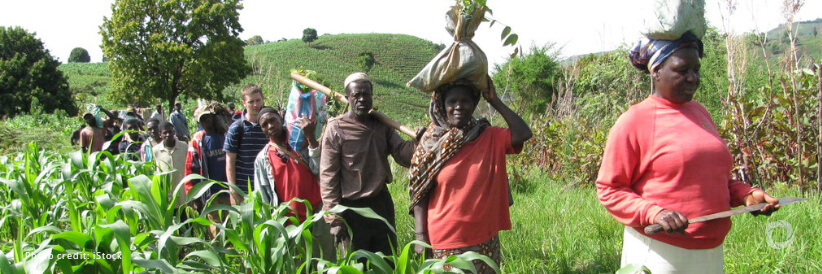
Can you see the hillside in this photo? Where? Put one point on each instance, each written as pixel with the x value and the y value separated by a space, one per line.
pixel 809 40
pixel 398 58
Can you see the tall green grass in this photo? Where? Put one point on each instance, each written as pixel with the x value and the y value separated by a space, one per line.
pixel 559 229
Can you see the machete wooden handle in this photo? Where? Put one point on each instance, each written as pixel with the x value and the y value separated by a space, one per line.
pixel 653 229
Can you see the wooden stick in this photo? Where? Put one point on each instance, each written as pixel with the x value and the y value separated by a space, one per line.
pixel 340 97
pixel 313 84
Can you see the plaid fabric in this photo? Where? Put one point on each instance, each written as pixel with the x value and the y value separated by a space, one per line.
pixel 647 53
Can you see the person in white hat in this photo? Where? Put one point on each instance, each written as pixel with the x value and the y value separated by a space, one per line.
pixel 354 169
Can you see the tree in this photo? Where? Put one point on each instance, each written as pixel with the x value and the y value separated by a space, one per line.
pixel 79 55
pixel 366 61
pixel 254 40
pixel 166 48
pixel 28 71
pixel 309 35
pixel 533 76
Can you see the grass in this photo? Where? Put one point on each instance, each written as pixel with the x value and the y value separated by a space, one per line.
pixel 566 230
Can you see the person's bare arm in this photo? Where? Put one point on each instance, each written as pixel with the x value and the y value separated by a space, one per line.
pixel 421 224
pixel 108 113
pixel 85 140
pixel 520 131
pixel 231 176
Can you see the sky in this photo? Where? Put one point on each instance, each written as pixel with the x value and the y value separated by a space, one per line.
pixel 574 27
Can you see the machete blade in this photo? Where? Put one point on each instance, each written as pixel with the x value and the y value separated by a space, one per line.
pixel 750 208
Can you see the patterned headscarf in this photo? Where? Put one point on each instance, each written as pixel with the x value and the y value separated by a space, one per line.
pixel 648 53
pixel 439 143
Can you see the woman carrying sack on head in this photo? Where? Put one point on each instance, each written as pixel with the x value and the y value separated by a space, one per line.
pixel 459 182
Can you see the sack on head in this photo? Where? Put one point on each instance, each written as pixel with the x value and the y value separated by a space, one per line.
pixel 669 19
pixel 462 60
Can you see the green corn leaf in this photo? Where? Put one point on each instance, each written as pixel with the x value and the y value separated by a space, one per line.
pixel 633 268
pixel 214 207
pixel 365 212
pixel 166 236
pixel 143 239
pixel 208 256
pixel 464 261
pixel 193 266
pixel 78 238
pixel 50 228
pixel 121 232
pixel 6 267
pixel 161 265
pixel 39 262
pixel 187 240
pixel 375 260
pixel 346 269
pixel 235 239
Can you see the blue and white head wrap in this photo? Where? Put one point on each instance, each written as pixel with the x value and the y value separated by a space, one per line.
pixel 648 53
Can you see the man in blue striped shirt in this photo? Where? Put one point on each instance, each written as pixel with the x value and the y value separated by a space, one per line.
pixel 243 141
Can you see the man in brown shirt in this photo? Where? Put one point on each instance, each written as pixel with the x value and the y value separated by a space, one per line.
pixel 354 169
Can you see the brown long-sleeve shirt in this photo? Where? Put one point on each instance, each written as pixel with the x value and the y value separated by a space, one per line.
pixel 354 162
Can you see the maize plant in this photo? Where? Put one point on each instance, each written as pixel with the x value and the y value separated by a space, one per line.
pixel 102 213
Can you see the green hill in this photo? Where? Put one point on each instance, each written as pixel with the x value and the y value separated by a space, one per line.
pixel 809 40
pixel 398 58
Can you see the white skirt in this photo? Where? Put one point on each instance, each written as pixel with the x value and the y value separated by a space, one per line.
pixel 660 257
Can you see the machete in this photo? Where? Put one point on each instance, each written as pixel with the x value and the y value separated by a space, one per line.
pixel 656 228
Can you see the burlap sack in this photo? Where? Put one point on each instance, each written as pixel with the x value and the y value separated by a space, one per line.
pixel 669 19
pixel 463 59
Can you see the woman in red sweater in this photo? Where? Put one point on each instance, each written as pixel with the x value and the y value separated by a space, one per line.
pixel 459 183
pixel 664 162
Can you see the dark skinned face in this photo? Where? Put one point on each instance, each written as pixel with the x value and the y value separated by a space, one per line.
pixel 272 125
pixel 459 106
pixel 677 78
pixel 89 119
pixel 135 127
pixel 153 131
pixel 360 98
pixel 167 133
pixel 207 121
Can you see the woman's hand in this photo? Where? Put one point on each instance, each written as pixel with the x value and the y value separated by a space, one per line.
pixel 671 221
pixel 420 132
pixel 759 196
pixel 422 237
